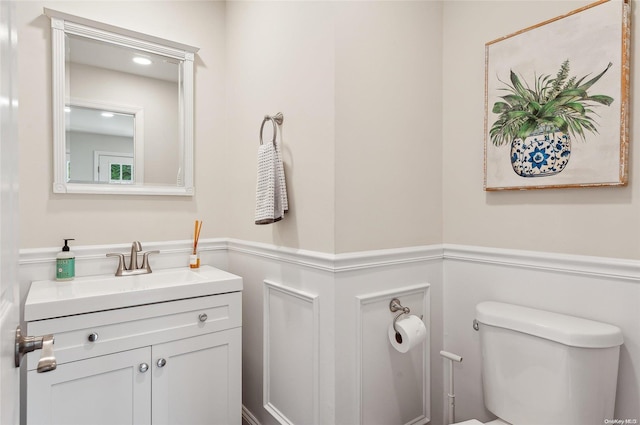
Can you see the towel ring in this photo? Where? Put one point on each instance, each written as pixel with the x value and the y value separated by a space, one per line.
pixel 275 120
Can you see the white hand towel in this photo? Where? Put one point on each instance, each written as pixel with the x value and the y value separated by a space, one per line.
pixel 265 189
pixel 271 190
pixel 281 179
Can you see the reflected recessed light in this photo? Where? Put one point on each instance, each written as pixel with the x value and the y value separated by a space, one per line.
pixel 107 114
pixel 142 61
pixel 67 109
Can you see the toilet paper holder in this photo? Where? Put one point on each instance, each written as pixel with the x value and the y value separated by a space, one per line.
pixel 394 306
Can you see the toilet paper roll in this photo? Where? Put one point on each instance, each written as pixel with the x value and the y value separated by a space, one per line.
pixel 410 332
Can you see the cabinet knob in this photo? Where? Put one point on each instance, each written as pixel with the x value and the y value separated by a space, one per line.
pixel 203 317
pixel 93 337
pixel 143 367
pixel 161 362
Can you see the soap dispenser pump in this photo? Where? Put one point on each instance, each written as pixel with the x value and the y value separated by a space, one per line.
pixel 65 263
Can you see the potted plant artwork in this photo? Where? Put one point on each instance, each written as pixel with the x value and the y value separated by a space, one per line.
pixel 540 120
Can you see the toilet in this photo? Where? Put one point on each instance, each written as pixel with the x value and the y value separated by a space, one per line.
pixel 544 368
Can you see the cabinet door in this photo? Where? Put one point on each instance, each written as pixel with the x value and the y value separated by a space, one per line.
pixel 106 390
pixel 198 380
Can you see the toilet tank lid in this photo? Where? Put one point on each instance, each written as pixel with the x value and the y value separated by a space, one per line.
pixel 568 330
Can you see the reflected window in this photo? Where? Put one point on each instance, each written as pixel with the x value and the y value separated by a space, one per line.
pixel 120 173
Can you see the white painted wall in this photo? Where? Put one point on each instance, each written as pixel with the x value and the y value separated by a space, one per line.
pixel 598 222
pixel 317 393
pixel 306 59
pixel 356 89
pixel 281 58
pixel 375 384
pixel 593 221
pixel 259 58
pixel 388 120
pixel 48 217
pixel 330 316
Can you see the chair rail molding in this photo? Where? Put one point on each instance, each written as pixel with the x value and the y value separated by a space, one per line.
pixel 615 268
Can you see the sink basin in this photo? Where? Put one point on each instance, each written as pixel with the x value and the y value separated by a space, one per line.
pixel 50 298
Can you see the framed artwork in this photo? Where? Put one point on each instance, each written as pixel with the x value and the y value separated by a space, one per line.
pixel 557 101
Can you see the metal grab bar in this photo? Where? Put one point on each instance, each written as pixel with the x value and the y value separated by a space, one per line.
pixel 451 394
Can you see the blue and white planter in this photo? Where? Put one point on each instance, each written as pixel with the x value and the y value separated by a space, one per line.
pixel 542 153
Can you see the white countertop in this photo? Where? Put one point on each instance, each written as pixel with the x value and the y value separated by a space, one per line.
pixel 49 298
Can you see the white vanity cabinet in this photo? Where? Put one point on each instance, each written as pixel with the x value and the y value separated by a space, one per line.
pixel 166 362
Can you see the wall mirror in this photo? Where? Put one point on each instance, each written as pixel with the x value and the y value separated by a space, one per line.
pixel 122 110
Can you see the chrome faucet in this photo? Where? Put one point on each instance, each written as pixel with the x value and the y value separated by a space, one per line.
pixel 133 260
pixel 133 268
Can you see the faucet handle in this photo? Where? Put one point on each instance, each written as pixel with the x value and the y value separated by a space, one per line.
pixel 120 262
pixel 145 260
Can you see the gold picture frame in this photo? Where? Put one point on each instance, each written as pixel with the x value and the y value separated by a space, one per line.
pixel 557 102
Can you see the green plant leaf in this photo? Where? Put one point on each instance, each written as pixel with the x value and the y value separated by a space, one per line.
pixel 500 107
pixel 514 100
pixel 601 99
pixel 560 102
pixel 558 82
pixel 548 109
pixel 592 81
pixel 517 114
pixel 572 93
pixel 576 106
pixel 527 128
pixel 534 106
pixel 519 88
pixel 560 123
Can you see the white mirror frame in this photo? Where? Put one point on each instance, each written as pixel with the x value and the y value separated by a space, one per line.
pixel 63 23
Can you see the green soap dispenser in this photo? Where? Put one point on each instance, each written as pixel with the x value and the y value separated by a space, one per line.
pixel 65 263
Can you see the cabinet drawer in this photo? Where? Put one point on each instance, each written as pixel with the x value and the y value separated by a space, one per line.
pixel 133 327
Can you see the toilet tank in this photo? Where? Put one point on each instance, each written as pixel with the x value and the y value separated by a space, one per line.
pixel 540 367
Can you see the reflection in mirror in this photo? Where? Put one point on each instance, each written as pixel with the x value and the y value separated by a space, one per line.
pixel 123 110
pixel 109 74
pixel 98 140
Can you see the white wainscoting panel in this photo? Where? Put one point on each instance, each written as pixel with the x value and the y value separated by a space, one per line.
pixel 394 387
pixel 247 417
pixel 291 344
pixel 315 347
